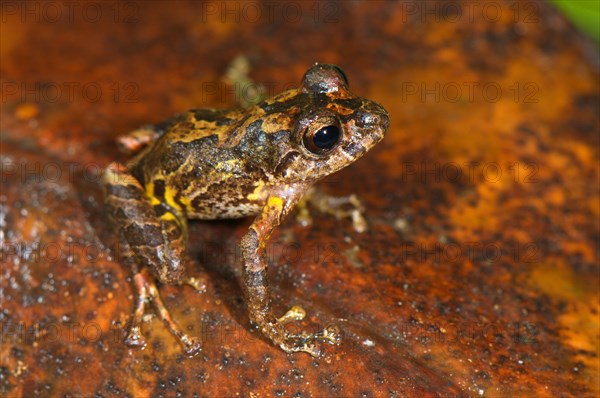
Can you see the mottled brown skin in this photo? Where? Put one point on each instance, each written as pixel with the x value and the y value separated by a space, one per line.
pixel 216 164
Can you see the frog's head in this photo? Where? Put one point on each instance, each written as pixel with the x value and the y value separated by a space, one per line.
pixel 333 128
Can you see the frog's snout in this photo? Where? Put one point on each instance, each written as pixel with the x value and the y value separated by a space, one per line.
pixel 374 120
pixel 384 117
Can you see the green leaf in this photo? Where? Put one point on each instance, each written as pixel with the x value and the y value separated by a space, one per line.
pixel 585 14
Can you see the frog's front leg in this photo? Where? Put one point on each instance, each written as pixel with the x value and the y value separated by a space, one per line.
pixel 255 282
pixel 152 236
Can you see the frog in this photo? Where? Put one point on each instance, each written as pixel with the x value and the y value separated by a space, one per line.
pixel 212 164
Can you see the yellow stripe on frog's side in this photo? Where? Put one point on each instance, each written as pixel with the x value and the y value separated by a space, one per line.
pixel 168 216
pixel 175 216
pixel 150 194
pixel 175 209
pixel 186 203
pixel 170 198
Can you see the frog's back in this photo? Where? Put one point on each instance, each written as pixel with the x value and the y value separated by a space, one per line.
pixel 192 167
pixel 203 122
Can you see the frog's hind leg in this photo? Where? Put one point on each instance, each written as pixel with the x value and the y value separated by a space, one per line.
pixel 148 292
pixel 141 138
pixel 136 140
pixel 153 238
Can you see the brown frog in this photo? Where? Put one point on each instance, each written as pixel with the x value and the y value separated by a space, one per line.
pixel 215 164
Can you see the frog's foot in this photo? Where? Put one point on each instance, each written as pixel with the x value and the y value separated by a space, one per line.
pixel 199 284
pixel 338 206
pixel 303 341
pixel 247 92
pixel 148 292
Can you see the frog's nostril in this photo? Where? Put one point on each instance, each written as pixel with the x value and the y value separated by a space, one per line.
pixel 375 118
pixel 380 116
pixel 385 120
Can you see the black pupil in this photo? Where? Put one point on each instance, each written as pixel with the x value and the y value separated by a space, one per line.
pixel 326 137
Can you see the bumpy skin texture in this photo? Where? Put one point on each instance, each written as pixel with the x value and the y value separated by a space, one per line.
pixel 214 164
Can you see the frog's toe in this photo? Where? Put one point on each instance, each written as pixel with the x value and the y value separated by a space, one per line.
pixel 192 346
pixel 199 284
pixel 312 343
pixel 148 293
pixel 301 343
pixel 358 221
pixel 134 338
pixel 304 341
pixel 296 313
pixel 331 334
pixel 341 207
pixel 303 216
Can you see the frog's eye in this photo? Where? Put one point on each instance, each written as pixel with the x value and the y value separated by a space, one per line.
pixel 341 72
pixel 322 139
